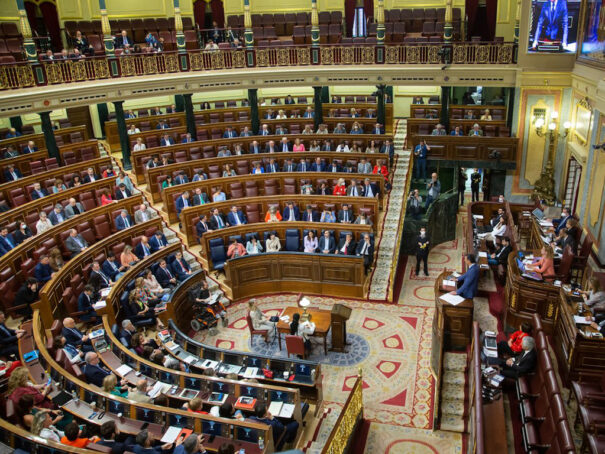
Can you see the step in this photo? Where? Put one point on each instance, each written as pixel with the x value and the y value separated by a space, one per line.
pixel 454 377
pixel 452 391
pixel 452 407
pixel 454 361
pixel 452 423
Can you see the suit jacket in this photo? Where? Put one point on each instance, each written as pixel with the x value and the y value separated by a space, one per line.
pixel 375 190
pixel 318 168
pixel 69 211
pixel 120 196
pixel 95 375
pixel 254 149
pixel 561 223
pixel 341 216
pixel 502 255
pixel 333 168
pixel 72 246
pixel 552 24
pixel 370 251
pixel 164 142
pixel 470 282
pixel 359 191
pixel 54 220
pixel 97 281
pixel 523 364
pixel 85 305
pixel 42 273
pixel 140 252
pixel 330 246
pixel 310 217
pixel 364 168
pixel 73 336
pixel 180 204
pixel 286 215
pixel 120 41
pixel 284 146
pixel 27 150
pixel 307 168
pixel 201 228
pixel 269 169
pixel 178 271
pixel 9 177
pixel 5 246
pixel 568 241
pixel 121 223
pixel 34 195
pixel 109 270
pixel 87 178
pixel 289 167
pixel 388 150
pixel 231 219
pixel 163 276
pixel 350 248
pixel 155 244
pixel 269 149
pixel 200 199
pixel 138 216
pixel 214 223
pixel 10 339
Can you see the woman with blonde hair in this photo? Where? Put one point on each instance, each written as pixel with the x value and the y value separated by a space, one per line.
pixel 259 320
pixel 273 214
pixel 42 426
pixel 127 257
pixel 545 265
pixel 110 385
pixel 19 385
pixel 340 188
pixel 43 223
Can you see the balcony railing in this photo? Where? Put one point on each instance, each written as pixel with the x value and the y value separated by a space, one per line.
pixel 24 74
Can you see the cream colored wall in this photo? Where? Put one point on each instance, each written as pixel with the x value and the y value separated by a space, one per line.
pixel 402 98
pixel 10 12
pixel 235 7
pixel 34 119
pixel 120 9
pixel 505 19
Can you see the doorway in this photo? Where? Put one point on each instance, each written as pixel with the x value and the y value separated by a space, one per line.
pixel 43 19
pixel 368 9
pixel 572 184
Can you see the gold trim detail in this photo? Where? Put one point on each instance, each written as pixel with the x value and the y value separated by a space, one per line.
pixel 412 54
pixel 196 61
pixel 392 55
pixel 327 56
pixel 262 57
pixel 349 416
pixel 283 57
pixel 347 55
pixel 367 55
pixel 303 56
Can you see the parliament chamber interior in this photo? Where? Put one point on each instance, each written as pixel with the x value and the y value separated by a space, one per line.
pixel 319 226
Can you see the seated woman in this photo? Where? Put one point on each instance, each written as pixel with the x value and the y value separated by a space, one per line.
pixel 306 188
pixel 545 265
pixel 226 410
pixel 486 115
pixel 298 145
pixel 228 171
pixel 73 354
pixel 19 385
pixel 253 246
pixel 106 198
pixel 310 242
pixel 314 144
pixel 236 249
pixel 273 244
pixel 56 261
pixel 308 130
pixel 42 426
pixel 340 188
pixel 204 298
pixel 513 346
pixel 372 147
pixel 273 214
pixel 594 297
pixel 258 169
pixel 23 233
pixel 137 310
pixel 327 216
pixel 381 168
pixel 76 181
pixel 143 294
pixel 304 329
pixel 167 182
pixel 154 288
pixel 356 129
pixel 343 147
pixel 259 320
pixel 363 219
pixel 355 148
pixel 58 186
pixel 110 385
pixel 127 257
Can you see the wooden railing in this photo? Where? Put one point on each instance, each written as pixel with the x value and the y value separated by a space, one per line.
pixel 24 74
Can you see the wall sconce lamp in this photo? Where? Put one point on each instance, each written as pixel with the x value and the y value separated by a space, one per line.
pixel 544 128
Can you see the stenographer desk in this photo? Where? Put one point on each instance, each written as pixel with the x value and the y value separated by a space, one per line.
pixel 457 320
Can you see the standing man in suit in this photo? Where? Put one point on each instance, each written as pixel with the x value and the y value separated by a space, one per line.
pixel 123 221
pixel 552 23
pixel 420 154
pixel 12 173
pixel 75 243
pixel 38 192
pixel 469 280
pixel 522 364
pixel 74 336
pixel 85 302
pixel 142 214
pixel 291 212
pixel 346 246
pixel 164 275
pixel 7 242
pixel 158 241
pixel 236 216
pixel 217 220
pixel 73 208
pixel 422 251
pixel 182 202
pixel 180 267
pixel 434 190
pixel 326 244
pixel 475 183
pixel 143 249
pixel 389 149
pixel 9 345
pixel 365 249
pixel 94 373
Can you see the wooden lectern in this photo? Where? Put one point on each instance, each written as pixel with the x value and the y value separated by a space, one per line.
pixel 340 315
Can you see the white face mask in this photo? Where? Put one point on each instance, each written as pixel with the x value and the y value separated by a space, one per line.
pixel 422 233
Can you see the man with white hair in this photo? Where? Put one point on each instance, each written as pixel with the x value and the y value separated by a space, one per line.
pixel 73 208
pixel 142 214
pixel 94 373
pixel 524 363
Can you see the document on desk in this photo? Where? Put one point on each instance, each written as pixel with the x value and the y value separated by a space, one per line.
pixel 123 370
pixel 483 254
pixel 158 388
pixel 275 407
pixel 546 224
pixel 454 300
pixel 171 434
pixel 287 410
pixel 478 216
pixel 580 320
pixel 448 283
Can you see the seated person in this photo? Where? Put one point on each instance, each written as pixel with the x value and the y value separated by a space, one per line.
pixel 138 311
pixel 263 416
pixel 523 363
pixel 439 131
pixel 73 437
pixel 180 267
pixel 273 244
pixel 564 240
pixel 500 257
pixel 310 242
pixel 74 336
pixel 594 297
pixel 513 346
pixel 235 249
pixel 486 116
pixel 93 371
pixel 475 131
pixel 85 303
pixel 346 245
pixel 545 265
pixel 259 320
pixel 457 131
pixel 205 298
pixel 273 214
pixel 253 246
pixel 498 230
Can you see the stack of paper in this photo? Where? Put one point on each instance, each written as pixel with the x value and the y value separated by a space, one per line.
pixel 99 305
pixel 454 300
pixel 171 434
pixel 190 359
pixel 287 410
pixel 251 372
pixel 123 370
pixel 580 320
pixel 477 216
pixel 158 388
pixel 275 407
pixel 448 283
pixel 482 254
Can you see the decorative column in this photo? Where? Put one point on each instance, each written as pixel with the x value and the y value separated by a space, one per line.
pixel 445 105
pixel 178 27
pixel 248 35
pixel 103 112
pixel 49 136
pixel 317 106
pixel 106 29
pixel 380 21
pixel 253 103
pixel 16 122
pixel 314 31
pixel 123 133
pixel 381 116
pixel 517 20
pixel 28 43
pixel 189 115
pixel 448 28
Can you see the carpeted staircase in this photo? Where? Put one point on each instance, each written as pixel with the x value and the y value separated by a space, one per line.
pixel 386 248
pixel 452 402
pixel 322 432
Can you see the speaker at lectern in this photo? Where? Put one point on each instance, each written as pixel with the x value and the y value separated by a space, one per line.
pixel 340 315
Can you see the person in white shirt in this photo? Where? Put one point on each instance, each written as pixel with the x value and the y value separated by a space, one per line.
pixel 133 130
pixel 43 223
pixel 139 145
pixel 304 329
pixel 499 230
pixel 253 246
pixel 343 147
pixel 42 427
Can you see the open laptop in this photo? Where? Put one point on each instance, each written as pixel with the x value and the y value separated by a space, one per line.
pixel 534 276
pixel 538 213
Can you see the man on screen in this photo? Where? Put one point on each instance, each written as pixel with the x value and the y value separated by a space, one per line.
pixel 552 23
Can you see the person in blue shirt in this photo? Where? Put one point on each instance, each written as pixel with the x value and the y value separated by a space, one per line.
pixel 85 302
pixel 560 223
pixel 7 242
pixel 151 41
pixel 43 272
pixel 420 154
pixel 469 280
pixel 12 133
pixel 457 131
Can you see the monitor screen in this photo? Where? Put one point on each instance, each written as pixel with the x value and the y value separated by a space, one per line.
pixel 593 38
pixel 521 265
pixel 554 26
pixel 538 213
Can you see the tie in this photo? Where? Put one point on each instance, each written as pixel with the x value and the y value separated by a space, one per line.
pixel 168 273
pixel 291 218
pixel 76 210
pixel 355 192
pixel 364 251
pixel 160 242
pixel 369 191
pixel 14 175
pixel 273 168
pixel 182 267
pixel 104 277
pixel 237 221
pixel 126 223
pixel 304 167
pixel 145 250
pixel 8 240
pixel 113 265
pixel 346 216
pixel 345 249
pixel 219 221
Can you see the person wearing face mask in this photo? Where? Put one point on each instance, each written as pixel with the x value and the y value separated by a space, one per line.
pixel 422 251
pixel 23 233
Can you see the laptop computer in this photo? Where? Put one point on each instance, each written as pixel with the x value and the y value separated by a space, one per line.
pixel 528 274
pixel 538 213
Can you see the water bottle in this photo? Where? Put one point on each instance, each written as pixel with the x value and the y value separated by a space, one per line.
pixel 74 394
pixel 313 375
pixel 261 443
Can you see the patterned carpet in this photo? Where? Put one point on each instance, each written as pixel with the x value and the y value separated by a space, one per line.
pixel 391 346
pixel 390 439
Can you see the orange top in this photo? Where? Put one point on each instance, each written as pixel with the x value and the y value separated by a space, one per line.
pixel 546 267
pixel 77 443
pixel 127 259
pixel 276 214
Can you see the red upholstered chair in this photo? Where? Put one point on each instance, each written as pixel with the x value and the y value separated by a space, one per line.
pixel 257 332
pixel 295 346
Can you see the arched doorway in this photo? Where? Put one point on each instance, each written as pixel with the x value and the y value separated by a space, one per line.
pixel 205 12
pixel 44 21
pixel 481 18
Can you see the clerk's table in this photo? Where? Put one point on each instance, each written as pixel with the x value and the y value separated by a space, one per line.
pixel 458 319
pixel 321 318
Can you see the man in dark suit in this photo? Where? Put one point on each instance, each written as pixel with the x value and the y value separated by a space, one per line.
pixel 126 332
pixel 94 373
pixel 112 268
pixel 378 129
pixel 236 217
pixel 30 148
pixel 38 192
pixel 303 166
pixel 187 138
pixel 164 276
pixel 123 221
pixel 353 190
pixel 11 152
pixel 272 166
pixel 334 167
pixel 469 280
pixel 200 198
pixel 122 192
pixel 85 302
pixel 318 165
pixel 289 166
pixel 229 133
pixel 565 239
pixel 166 141
pixel 75 243
pixel 12 173
pixel 182 202
pixel 281 434
pixel 475 183
pixel 110 438
pixel 310 215
pixel 74 336
pixel 552 23
pixel 370 189
pixel 345 216
pixel 122 40
pixel 562 221
pixel 522 364
pixel 7 242
pixel 500 257
pixel 326 244
pixel 284 145
pixel 158 241
pixel 265 131
pixel 181 178
pixel 323 189
pixel 98 279
pixel 42 271
pixel 57 215
pixel 254 147
pixel 365 249
pixel 180 267
pixel 91 176
pixel 327 146
pixel 422 251
pixel 202 226
pixel 143 249
pixel 291 212
pixel 217 220
pixel 270 147
pixel 9 345
pixel 346 245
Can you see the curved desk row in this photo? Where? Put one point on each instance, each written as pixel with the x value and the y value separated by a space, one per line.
pixel 472 149
pixel 62 135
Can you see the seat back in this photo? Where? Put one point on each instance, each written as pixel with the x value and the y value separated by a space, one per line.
pixel 295 345
pixel 292 240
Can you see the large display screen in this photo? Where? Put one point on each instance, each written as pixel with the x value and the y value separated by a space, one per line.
pixel 593 41
pixel 554 26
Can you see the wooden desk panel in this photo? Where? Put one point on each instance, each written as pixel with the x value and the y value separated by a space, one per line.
pixel 458 320
pixel 254 275
pixel 38 139
pixel 463 148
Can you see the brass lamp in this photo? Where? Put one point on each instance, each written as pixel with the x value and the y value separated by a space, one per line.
pixel 304 303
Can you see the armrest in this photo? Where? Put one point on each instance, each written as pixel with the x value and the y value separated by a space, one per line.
pixel 594 400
